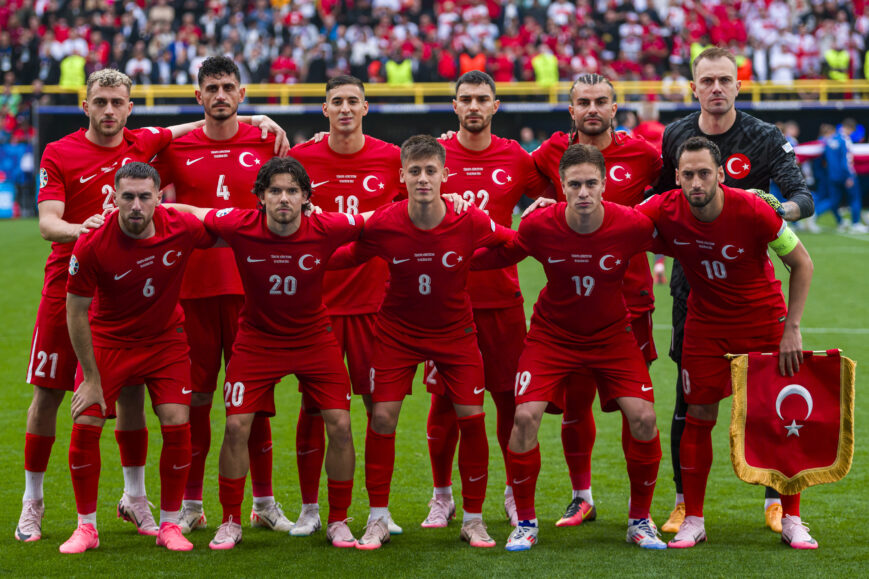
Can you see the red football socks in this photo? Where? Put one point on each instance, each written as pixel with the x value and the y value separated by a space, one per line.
pixel 695 454
pixel 200 443
pixel 310 451
pixel 578 432
pixel 175 460
pixel 643 458
pixel 473 461
pixel 505 405
pixel 379 464
pixel 525 467
pixel 84 466
pixel 790 505
pixel 133 445
pixel 231 492
pixel 37 451
pixel 442 433
pixel 340 495
pixel 259 446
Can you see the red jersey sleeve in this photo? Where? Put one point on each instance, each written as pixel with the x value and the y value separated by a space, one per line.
pixel 152 140
pixel 535 181
pixel 223 222
pixel 487 233
pixel 770 223
pixel 82 279
pixel 51 184
pixel 202 238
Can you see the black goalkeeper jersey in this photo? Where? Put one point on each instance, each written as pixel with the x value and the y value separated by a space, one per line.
pixel 753 153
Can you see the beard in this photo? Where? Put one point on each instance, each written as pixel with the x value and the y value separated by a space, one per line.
pixel 477 125
pixel 594 131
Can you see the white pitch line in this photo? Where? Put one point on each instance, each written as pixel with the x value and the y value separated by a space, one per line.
pixel 855 331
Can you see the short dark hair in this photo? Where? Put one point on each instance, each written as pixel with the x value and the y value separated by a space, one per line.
pixel 476 78
pixel 279 166
pixel 422 147
pixel 136 170
pixel 695 144
pixel 579 154
pixel 344 79
pixel 218 66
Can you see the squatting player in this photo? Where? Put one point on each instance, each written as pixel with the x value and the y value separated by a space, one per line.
pixel 721 235
pixel 752 152
pixel 632 164
pixel 76 186
pixel 493 173
pixel 132 268
pixel 351 173
pixel 215 166
pixel 585 245
pixel 426 315
pixel 284 329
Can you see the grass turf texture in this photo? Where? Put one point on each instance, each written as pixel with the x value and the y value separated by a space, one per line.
pixel 739 542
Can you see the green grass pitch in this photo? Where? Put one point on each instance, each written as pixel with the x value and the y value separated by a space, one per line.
pixel 739 544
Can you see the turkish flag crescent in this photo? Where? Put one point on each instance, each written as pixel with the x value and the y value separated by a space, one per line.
pixel 792 432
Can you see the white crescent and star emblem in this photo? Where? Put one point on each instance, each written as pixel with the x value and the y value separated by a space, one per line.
pixel 126 160
pixel 602 262
pixel 793 428
pixel 446 257
pixel 302 262
pixel 369 189
pixel 168 254
pixel 495 177
pixel 738 166
pixel 724 252
pixel 242 156
pixel 614 173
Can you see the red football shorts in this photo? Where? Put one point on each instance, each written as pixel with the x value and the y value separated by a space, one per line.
pixel 211 325
pixel 52 359
pixel 163 367
pixel 642 326
pixel 355 337
pixel 500 337
pixel 396 357
pixel 615 364
pixel 254 371
pixel 705 370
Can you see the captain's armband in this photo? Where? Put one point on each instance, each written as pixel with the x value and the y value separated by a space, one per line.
pixel 786 241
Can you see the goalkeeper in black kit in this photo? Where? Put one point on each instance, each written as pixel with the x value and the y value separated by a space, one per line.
pixel 753 153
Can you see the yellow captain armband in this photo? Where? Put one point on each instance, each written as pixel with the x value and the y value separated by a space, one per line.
pixel 786 241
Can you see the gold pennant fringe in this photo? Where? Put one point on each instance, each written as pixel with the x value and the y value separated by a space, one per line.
pixel 806 478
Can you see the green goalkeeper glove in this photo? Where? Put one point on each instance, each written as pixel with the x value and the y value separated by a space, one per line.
pixel 770 200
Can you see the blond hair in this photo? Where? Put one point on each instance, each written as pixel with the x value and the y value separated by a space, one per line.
pixel 713 53
pixel 108 77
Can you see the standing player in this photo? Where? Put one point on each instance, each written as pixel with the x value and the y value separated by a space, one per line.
pixel 632 164
pixel 284 329
pixel 493 173
pixel 133 266
pixel 426 315
pixel 753 153
pixel 351 173
pixel 215 166
pixel 585 245
pixel 76 187
pixel 721 235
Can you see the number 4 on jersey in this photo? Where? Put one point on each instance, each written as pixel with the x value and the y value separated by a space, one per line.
pixel 222 189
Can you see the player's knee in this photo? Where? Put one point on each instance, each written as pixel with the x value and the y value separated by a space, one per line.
pixel 382 421
pixel 643 424
pixel 525 423
pixel 338 428
pixel 237 431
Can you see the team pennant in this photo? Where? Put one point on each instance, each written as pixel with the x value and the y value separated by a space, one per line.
pixel 792 432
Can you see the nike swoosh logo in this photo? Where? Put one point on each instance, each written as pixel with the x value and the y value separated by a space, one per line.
pixel 266 449
pixel 191 161
pixel 678 418
pixel 252 260
pixel 123 275
pixel 307 452
pixel 479 390
pixel 646 388
pixel 643 347
pixel 648 484
pixel 396 261
pixel 451 174
pixel 196 453
pixel 475 479
pixel 348 397
pixel 86 179
pixel 182 467
pixel 186 390
pixel 688 467
pixel 550 260
pixel 566 422
pixel 677 242
pixel 429 437
pixel 78 466
pixel 315 185
pixel 519 482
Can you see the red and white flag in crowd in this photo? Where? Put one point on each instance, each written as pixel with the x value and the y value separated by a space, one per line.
pixel 792 432
pixel 814 149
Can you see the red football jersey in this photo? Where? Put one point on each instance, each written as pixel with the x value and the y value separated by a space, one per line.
pixel 582 300
pixel 219 174
pixel 428 270
pixel 282 276
pixel 632 165
pixel 136 281
pixel 494 179
pixel 82 175
pixel 734 291
pixel 353 184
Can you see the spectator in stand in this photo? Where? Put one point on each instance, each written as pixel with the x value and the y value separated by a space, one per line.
pixel 545 66
pixel 842 178
pixel 139 67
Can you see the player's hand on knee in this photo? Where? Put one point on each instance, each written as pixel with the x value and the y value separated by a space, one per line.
pixel 87 394
pixel 460 204
pixel 539 203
